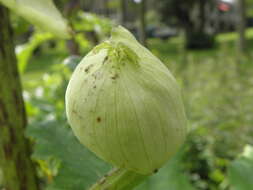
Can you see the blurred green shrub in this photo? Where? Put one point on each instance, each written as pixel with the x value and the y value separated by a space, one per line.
pixel 218 96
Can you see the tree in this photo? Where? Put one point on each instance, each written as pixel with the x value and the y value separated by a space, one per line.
pixel 18 169
pixel 123 12
pixel 143 22
pixel 193 17
pixel 241 25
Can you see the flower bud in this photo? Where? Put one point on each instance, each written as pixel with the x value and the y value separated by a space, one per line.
pixel 125 106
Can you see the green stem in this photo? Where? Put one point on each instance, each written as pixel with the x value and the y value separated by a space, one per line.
pixel 119 179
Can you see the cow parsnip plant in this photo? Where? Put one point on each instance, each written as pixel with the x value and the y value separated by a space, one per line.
pixel 122 102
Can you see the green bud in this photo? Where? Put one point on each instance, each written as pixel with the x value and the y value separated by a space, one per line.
pixel 125 106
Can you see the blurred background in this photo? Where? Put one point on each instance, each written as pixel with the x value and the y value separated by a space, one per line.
pixel 206 44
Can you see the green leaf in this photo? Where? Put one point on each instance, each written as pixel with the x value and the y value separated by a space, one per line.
pixel 79 168
pixel 25 51
pixel 170 177
pixel 71 62
pixel 41 13
pixel 240 171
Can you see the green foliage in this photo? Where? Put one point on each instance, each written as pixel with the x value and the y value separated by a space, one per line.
pixel 41 13
pixel 171 176
pixel 92 22
pixel 240 170
pixel 218 98
pixel 78 168
pixel 60 156
pixel 85 22
pixel 217 88
pixel 24 52
pixel 90 27
pixel 20 25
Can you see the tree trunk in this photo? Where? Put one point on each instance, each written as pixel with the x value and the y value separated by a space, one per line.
pixel 69 10
pixel 241 25
pixel 197 36
pixel 105 8
pixel 18 169
pixel 123 12
pixel 143 22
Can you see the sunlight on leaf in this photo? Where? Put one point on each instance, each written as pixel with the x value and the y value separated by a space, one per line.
pixel 41 13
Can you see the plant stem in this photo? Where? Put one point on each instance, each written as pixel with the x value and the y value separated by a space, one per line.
pixel 119 179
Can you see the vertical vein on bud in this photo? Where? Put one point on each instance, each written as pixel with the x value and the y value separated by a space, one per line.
pixel 138 124
pixel 94 116
pixel 124 155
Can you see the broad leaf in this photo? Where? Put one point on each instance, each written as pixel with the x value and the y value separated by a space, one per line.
pixel 41 13
pixel 240 172
pixel 170 177
pixel 25 51
pixel 78 168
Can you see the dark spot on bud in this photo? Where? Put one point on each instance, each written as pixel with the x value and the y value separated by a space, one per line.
pixel 115 76
pixel 88 68
pixel 155 171
pixel 98 119
pixel 94 86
